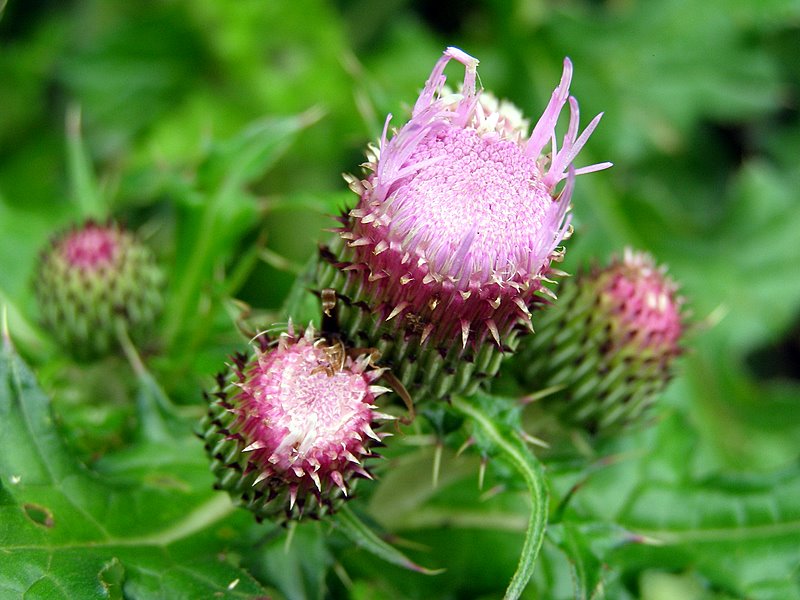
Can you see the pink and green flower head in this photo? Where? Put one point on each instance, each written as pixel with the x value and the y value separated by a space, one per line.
pixel 609 344
pixel 292 425
pixel 91 280
pixel 465 209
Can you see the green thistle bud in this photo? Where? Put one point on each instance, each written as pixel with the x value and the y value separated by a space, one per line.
pixel 608 344
pixel 91 280
pixel 289 427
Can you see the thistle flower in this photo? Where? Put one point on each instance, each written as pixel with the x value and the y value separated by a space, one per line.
pixel 455 230
pixel 290 426
pixel 609 344
pixel 92 279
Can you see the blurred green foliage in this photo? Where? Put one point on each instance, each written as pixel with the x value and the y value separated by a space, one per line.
pixel 219 131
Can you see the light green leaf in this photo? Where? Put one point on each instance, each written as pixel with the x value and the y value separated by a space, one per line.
pixel 85 190
pixel 222 211
pixel 361 534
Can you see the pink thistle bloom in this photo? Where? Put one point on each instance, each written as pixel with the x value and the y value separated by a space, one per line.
pixel 608 345
pixel 94 278
pixel 462 214
pixel 293 424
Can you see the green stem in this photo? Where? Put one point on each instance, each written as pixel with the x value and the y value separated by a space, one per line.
pixel 533 474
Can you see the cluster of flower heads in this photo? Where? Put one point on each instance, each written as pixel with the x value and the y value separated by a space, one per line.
pixel 94 279
pixel 456 228
pixel 437 271
pixel 438 267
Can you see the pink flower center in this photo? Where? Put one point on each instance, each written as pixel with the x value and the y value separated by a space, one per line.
pixel 91 248
pixel 302 408
pixel 647 306
pixel 475 207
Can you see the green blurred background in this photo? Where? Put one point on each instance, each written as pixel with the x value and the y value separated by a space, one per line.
pixel 702 121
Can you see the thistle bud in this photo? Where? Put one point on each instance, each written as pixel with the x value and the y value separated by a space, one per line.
pixel 456 227
pixel 289 427
pixel 93 279
pixel 609 344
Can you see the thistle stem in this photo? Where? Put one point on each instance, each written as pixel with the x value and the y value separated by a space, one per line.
pixel 533 474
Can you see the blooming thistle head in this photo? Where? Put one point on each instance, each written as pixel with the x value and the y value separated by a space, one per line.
pixel 92 279
pixel 461 215
pixel 610 343
pixel 457 224
pixel 290 426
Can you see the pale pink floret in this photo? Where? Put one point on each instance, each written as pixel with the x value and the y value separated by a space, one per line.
pixel 91 247
pixel 462 211
pixel 646 302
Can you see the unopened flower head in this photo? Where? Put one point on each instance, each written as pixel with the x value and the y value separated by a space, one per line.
pixel 610 343
pixel 290 426
pixel 94 278
pixel 462 213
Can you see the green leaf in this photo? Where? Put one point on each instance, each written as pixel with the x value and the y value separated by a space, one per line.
pixel 151 526
pixel 587 570
pixel 737 531
pixel 361 534
pixel 112 577
pixel 158 418
pixel 23 235
pixel 753 244
pixel 85 190
pixel 31 452
pixel 749 424
pixel 215 222
pixel 296 563
pixel 300 304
